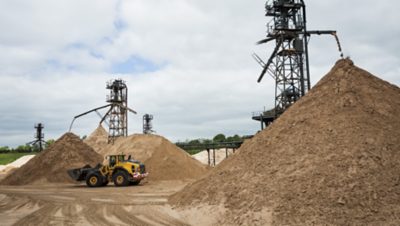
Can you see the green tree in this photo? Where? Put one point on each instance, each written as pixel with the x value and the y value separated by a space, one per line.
pixel 234 138
pixel 206 141
pixel 4 149
pixel 219 138
pixel 48 143
pixel 194 142
pixel 237 138
pixel 35 148
pixel 23 148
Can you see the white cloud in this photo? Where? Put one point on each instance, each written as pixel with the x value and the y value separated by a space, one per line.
pixel 55 23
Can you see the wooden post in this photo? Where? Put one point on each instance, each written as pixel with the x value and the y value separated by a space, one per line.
pixel 214 156
pixel 226 152
pixel 209 160
pixel 261 120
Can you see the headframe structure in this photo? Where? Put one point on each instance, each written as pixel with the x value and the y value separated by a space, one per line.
pixel 147 124
pixel 39 136
pixel 117 115
pixel 288 64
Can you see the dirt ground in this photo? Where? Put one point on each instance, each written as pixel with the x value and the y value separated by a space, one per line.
pixel 72 204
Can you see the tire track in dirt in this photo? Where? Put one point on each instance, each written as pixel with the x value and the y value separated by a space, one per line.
pixel 13 208
pixel 48 214
pixel 125 217
pixel 94 214
pixel 70 205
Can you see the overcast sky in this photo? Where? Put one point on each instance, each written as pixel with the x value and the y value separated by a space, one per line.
pixel 187 62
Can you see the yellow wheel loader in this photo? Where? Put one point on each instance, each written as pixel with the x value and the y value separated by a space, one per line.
pixel 119 170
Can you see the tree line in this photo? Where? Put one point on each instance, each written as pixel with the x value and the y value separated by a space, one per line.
pixel 216 139
pixel 26 148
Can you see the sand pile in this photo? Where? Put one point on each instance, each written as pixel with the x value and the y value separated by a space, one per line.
pixel 51 165
pixel 220 155
pixel 21 161
pixel 331 159
pixel 98 138
pixel 163 160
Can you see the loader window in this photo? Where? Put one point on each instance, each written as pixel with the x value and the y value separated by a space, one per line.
pixel 112 161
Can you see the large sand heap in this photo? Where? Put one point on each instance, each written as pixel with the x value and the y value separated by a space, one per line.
pixel 52 164
pixel 98 138
pixel 163 160
pixel 331 159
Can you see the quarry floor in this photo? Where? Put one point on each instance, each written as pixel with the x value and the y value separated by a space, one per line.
pixel 72 204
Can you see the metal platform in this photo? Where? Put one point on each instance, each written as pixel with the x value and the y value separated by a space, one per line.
pixel 211 147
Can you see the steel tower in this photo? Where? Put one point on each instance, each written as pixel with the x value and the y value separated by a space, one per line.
pixel 39 136
pixel 117 115
pixel 288 64
pixel 147 124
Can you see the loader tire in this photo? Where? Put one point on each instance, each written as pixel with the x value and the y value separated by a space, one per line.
pixel 120 178
pixel 94 180
pixel 135 182
pixel 105 182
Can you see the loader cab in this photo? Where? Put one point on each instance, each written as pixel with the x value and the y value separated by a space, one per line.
pixel 121 158
pixel 115 159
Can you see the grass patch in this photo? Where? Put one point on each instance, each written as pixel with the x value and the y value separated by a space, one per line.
pixel 6 158
pixel 192 152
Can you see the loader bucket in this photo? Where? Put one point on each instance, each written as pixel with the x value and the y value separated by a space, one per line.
pixel 78 174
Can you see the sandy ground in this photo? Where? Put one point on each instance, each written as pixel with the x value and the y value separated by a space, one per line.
pixel 67 204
